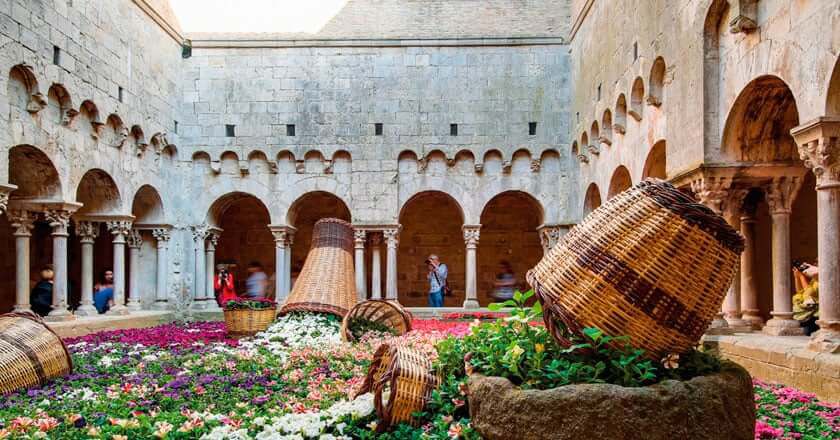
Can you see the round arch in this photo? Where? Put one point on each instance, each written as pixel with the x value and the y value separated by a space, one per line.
pixel 33 173
pixel 509 238
pixel 147 206
pixel 304 213
pixel 832 104
pixel 592 200
pixel 431 224
pixel 655 164
pixel 758 126
pixel 619 182
pixel 98 193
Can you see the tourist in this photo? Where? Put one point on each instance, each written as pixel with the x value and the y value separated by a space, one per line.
pixel 103 296
pixel 437 280
pixel 223 285
pixel 806 308
pixel 505 282
pixel 41 296
pixel 255 285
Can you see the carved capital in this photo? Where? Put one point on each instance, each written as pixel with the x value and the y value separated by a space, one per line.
pixel 359 236
pixel 781 193
pixel 4 200
pixel 161 234
pixel 818 142
pixel 199 233
pixel 134 239
pixel 392 237
pixel 549 236
pixel 59 220
pixel 280 238
pixel 212 239
pixel 471 235
pixel 87 231
pixel 712 191
pixel 119 228
pixel 22 222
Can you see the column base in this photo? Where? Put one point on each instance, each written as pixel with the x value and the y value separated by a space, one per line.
pixel 160 305
pixel 783 327
pixel 134 306
pixel 22 308
pixel 738 325
pixel 471 304
pixel 118 309
pixel 86 310
pixel 753 319
pixel 719 326
pixel 825 340
pixel 206 305
pixel 58 315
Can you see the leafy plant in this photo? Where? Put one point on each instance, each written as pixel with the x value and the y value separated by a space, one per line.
pixel 253 304
pixel 361 326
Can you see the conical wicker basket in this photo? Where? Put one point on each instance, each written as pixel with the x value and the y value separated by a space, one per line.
pixel 650 263
pixel 30 352
pixel 390 313
pixel 402 380
pixel 326 283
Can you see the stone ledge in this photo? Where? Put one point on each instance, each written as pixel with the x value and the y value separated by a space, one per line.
pixel 782 359
pixel 82 326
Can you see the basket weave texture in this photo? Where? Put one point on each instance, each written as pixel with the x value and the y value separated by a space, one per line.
pixel 30 352
pixel 390 313
pixel 650 263
pixel 402 380
pixel 326 283
pixel 248 322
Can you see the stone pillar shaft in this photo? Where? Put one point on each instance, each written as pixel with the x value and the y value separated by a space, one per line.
pixel 359 261
pixel 392 241
pixel 749 288
pixel 828 202
pixel 471 236
pixel 209 301
pixel 161 296
pixel 135 241
pixel 199 235
pixel 119 229
pixel 59 220
pixel 87 232
pixel 22 221
pixel 376 268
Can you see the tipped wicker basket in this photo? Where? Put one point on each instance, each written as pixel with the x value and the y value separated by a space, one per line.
pixel 30 352
pixel 389 313
pixel 402 380
pixel 326 283
pixel 248 322
pixel 650 263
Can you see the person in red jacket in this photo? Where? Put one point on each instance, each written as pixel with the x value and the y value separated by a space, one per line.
pixel 223 285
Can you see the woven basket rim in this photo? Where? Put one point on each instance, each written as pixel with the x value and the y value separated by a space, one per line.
pixel 345 330
pixel 33 317
pixel 334 220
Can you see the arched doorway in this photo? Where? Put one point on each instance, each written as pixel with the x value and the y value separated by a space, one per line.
pixel 147 209
pixel 509 225
pixel 832 106
pixel 592 200
pixel 244 238
pixel 303 214
pixel 655 162
pixel 431 224
pixel 619 182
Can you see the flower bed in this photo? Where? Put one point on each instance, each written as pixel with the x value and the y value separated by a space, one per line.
pixel 291 381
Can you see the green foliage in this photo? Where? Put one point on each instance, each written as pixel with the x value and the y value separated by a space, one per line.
pixel 253 304
pixel 361 326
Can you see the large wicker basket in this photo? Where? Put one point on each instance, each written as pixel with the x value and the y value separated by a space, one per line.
pixel 326 283
pixel 402 380
pixel 248 322
pixel 389 313
pixel 30 352
pixel 650 263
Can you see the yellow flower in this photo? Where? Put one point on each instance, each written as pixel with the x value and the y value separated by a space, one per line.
pixel 119 437
pixel 539 348
pixel 516 351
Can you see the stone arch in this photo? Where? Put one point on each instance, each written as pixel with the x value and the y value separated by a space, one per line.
pixel 407 162
pixel 147 206
pixel 620 123
pixel 342 162
pixel 637 96
pixel 22 90
pixel 303 213
pixel 606 127
pixel 286 162
pixel 575 149
pixel 464 162
pixel 138 136
pixel 758 125
pixel 592 200
pixel 656 83
pixel 711 71
pixel 243 219
pixel 90 113
pixel 492 162
pixel 832 104
pixel 619 181
pixel 550 161
pixel 436 163
pixel 584 140
pixel 229 162
pixel 463 198
pixel 115 131
pixel 34 174
pixel 170 152
pixel 521 162
pixel 313 161
pixel 655 164
pixel 98 193
pixel 258 162
pixel 595 132
pixel 420 237
pixel 60 108
pixel 509 223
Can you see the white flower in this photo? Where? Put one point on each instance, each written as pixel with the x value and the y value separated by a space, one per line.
pixel 107 361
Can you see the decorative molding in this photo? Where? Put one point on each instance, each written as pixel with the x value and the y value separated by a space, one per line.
pixel 392 237
pixel 199 232
pixel 471 235
pixel 162 235
pixel 22 222
pixel 550 235
pixel 5 192
pixel 359 236
pixel 818 142
pixel 87 231
pixel 781 193
pixel 59 220
pixel 134 239
pixel 119 228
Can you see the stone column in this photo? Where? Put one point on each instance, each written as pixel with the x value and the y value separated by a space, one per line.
pixel 550 235
pixel 732 208
pixel 120 230
pixel 471 235
pixel 361 280
pixel 392 241
pixel 199 235
pixel 279 263
pixel 780 196
pixel 161 298
pixel 287 273
pixel 819 146
pixel 87 232
pixel 749 288
pixel 135 242
pixel 712 192
pixel 59 220
pixel 376 267
pixel 22 222
pixel 209 300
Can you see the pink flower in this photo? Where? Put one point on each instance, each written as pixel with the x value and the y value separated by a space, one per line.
pixel 765 431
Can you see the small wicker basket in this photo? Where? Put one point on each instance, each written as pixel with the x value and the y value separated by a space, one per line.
pixel 389 313
pixel 402 380
pixel 30 352
pixel 326 283
pixel 248 322
pixel 651 263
